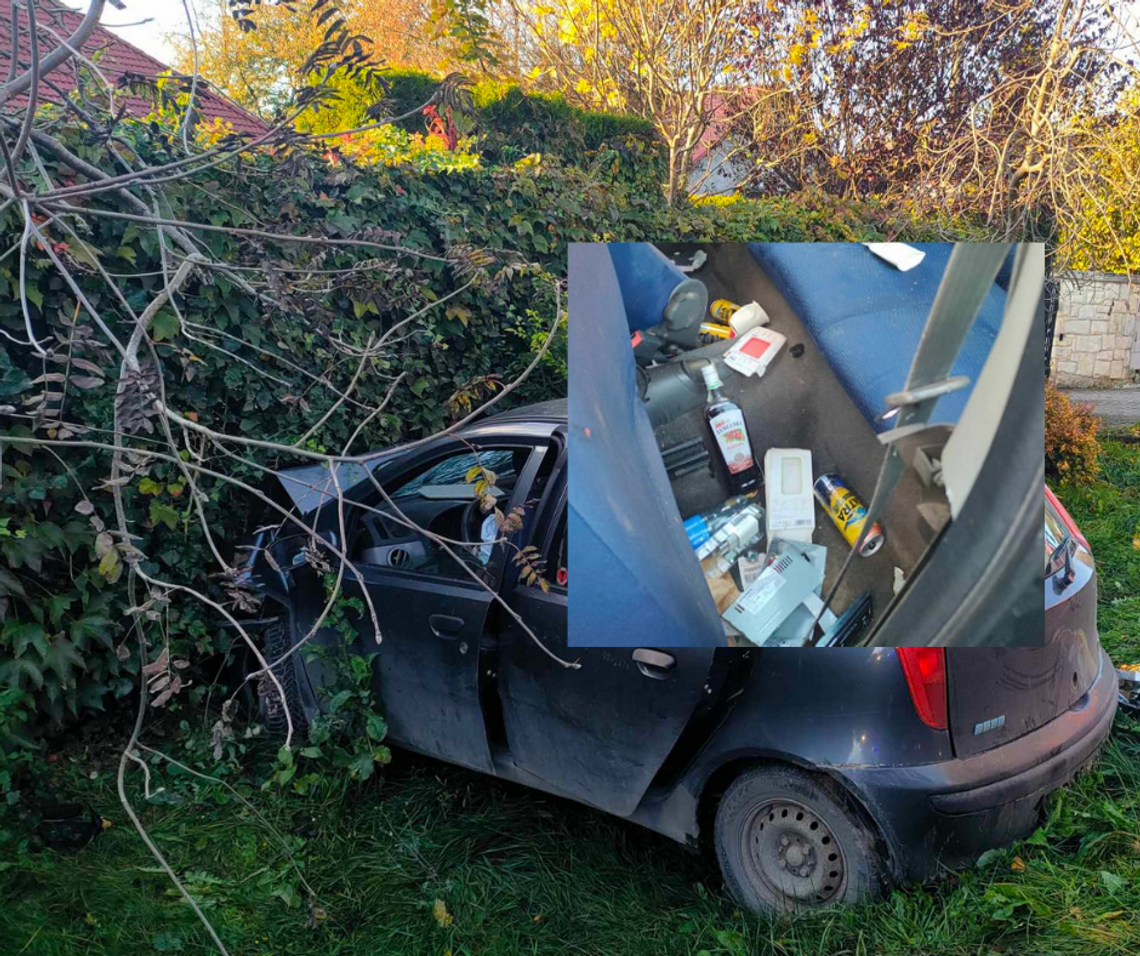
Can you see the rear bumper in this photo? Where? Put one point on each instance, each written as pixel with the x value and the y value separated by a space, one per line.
pixel 943 815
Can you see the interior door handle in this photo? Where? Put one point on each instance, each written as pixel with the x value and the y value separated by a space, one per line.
pixel 654 664
pixel 445 626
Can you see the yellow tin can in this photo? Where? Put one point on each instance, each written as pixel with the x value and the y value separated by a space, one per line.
pixel 722 310
pixel 714 330
pixel 848 513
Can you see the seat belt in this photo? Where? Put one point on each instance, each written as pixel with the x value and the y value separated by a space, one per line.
pixel 969 275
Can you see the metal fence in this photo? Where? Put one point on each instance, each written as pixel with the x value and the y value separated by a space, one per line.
pixel 1052 300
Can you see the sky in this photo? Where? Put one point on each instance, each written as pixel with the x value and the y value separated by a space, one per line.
pixel 163 17
pixel 160 17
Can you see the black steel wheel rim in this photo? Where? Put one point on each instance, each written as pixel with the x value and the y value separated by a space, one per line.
pixel 790 851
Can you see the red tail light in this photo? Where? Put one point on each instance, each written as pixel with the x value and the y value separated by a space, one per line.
pixel 1067 518
pixel 925 672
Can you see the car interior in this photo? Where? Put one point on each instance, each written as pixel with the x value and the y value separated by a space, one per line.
pixel 438 497
pixel 851 323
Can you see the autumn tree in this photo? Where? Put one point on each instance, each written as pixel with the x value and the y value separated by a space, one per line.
pixel 855 98
pixel 1049 153
pixel 1104 232
pixel 668 61
pixel 258 68
pixel 1007 112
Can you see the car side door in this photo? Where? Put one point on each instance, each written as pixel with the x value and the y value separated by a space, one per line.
pixel 432 613
pixel 600 732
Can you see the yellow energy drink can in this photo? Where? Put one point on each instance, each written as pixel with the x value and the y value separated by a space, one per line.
pixel 848 513
pixel 722 310
pixel 713 330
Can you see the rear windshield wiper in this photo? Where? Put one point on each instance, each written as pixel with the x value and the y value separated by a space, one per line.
pixel 1062 558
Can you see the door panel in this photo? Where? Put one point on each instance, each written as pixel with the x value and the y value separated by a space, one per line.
pixel 426 673
pixel 600 733
pixel 433 616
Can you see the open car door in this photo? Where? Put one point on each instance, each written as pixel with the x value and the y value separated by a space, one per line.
pixel 598 733
pixel 433 614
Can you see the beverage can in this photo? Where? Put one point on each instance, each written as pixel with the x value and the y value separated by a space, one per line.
pixel 722 310
pixel 848 513
pixel 713 330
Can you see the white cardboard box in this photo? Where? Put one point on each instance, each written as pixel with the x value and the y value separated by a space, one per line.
pixel 788 494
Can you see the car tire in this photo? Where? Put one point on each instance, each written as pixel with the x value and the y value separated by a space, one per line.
pixel 788 842
pixel 276 640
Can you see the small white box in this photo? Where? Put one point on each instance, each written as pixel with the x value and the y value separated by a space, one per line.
pixel 788 494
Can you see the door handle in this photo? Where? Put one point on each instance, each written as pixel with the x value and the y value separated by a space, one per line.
pixel 445 626
pixel 654 664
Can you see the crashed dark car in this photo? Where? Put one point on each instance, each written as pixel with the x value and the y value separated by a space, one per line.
pixel 819 777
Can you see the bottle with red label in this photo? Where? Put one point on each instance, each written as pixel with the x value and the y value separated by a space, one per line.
pixel 730 436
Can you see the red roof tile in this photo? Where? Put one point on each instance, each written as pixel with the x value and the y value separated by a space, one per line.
pixel 723 109
pixel 117 57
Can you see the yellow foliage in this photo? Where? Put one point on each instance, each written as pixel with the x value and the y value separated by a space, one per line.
pixel 1105 234
pixel 249 67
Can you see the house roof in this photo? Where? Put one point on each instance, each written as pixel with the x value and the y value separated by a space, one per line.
pixel 723 109
pixel 116 58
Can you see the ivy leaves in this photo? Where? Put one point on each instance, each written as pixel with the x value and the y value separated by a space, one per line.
pixel 13 380
pixel 47 662
pixel 20 636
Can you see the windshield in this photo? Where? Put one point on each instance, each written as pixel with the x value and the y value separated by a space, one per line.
pixel 454 470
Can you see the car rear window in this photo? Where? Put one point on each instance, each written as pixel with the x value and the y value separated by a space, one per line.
pixel 1055 530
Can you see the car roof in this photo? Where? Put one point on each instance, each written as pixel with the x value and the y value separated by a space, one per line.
pixel 555 410
pixel 539 420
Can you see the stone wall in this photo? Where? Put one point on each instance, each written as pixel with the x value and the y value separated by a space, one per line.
pixel 1095 338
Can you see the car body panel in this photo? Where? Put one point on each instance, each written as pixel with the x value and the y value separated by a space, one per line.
pixel 945 814
pixel 604 746
pixel 426 679
pixel 656 751
pixel 987 799
pixel 1023 688
pixel 426 672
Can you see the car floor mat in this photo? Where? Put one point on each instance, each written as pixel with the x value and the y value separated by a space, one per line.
pixel 799 403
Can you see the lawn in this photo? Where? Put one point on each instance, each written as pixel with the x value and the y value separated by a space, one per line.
pixel 1108 512
pixel 429 859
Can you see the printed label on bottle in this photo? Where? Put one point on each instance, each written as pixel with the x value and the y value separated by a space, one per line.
pixel 728 429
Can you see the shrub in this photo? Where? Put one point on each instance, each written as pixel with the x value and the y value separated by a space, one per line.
pixel 1072 451
pixel 509 123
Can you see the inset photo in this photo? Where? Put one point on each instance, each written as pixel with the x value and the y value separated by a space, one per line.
pixel 806 445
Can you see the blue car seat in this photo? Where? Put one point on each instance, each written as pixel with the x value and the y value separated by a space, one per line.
pixel 867 317
pixel 636 579
pixel 659 299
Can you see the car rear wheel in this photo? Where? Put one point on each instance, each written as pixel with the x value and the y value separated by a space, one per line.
pixel 276 641
pixel 786 843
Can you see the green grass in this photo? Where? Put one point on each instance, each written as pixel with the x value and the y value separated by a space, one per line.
pixel 1108 513
pixel 522 873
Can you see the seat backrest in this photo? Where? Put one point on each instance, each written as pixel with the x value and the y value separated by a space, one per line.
pixel 636 579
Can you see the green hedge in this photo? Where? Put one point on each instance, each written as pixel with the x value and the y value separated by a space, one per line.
pixel 63 620
pixel 511 123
